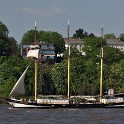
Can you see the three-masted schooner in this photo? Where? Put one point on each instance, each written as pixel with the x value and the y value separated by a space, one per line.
pixel 55 103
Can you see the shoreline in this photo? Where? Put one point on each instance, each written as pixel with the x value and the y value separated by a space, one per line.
pixel 3 101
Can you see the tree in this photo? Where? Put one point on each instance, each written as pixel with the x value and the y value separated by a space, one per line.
pixel 77 69
pixel 12 46
pixel 55 38
pixel 28 37
pixel 50 37
pixel 47 84
pixel 80 33
pixel 91 35
pixel 3 31
pixel 112 55
pixel 92 46
pixel 3 39
pixel 11 69
pixel 59 77
pixel 116 79
pixel 110 36
pixel 121 37
pixel 7 44
pixel 91 77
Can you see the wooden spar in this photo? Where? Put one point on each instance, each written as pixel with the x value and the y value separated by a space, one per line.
pixel 36 66
pixel 68 64
pixel 36 80
pixel 69 72
pixel 101 70
pixel 101 74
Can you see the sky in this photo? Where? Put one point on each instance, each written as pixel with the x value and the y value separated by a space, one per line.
pixel 52 15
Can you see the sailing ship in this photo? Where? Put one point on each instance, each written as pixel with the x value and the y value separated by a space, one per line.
pixel 58 102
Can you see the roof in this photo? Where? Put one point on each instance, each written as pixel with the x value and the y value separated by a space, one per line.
pixel 39 43
pixel 116 42
pixel 73 41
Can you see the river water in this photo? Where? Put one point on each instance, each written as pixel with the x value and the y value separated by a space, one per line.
pixel 9 115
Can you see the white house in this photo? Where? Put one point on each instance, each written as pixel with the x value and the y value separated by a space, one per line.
pixel 115 43
pixel 78 43
pixel 75 42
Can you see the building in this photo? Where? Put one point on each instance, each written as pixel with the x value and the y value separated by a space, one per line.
pixel 115 43
pixel 74 42
pixel 78 44
pixel 46 51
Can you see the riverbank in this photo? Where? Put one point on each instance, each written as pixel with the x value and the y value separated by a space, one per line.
pixel 3 101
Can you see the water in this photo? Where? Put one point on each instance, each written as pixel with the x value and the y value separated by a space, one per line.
pixel 10 115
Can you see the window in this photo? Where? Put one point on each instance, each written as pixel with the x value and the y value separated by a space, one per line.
pixel 25 46
pixel 43 46
pixel 50 47
pixel 47 52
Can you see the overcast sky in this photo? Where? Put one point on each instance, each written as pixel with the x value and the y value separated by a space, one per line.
pixel 52 15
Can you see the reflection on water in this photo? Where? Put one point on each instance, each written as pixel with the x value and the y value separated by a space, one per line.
pixel 10 115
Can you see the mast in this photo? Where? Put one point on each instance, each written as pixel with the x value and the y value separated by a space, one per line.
pixel 101 59
pixel 35 86
pixel 68 62
pixel 34 54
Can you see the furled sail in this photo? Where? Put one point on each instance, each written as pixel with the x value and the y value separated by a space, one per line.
pixel 33 53
pixel 19 87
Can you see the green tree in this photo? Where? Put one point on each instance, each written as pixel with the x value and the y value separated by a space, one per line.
pixel 77 69
pixel 116 79
pixel 110 36
pixel 7 44
pixel 3 31
pixel 53 37
pixel 3 38
pixel 80 33
pixel 12 46
pixel 28 37
pixel 46 84
pixel 91 77
pixel 121 37
pixel 11 69
pixel 112 55
pixel 59 77
pixel 60 74
pixel 50 37
pixel 92 46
